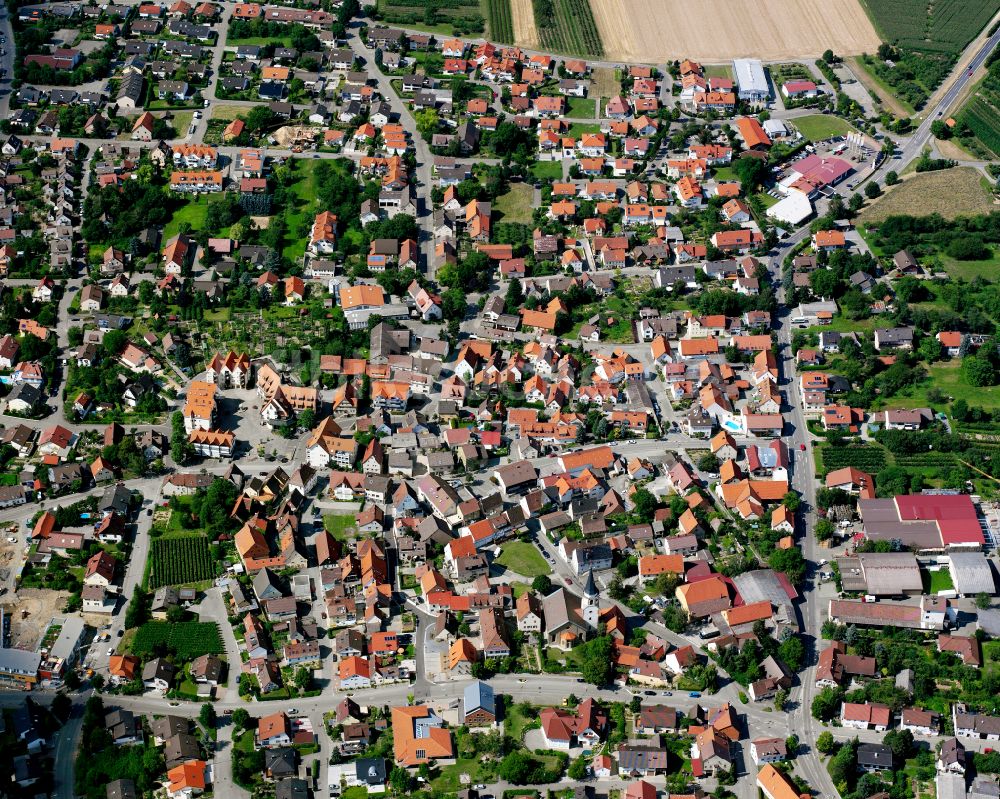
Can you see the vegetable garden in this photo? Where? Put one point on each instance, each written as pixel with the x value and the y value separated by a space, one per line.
pixel 568 26
pixel 187 640
pixel 180 559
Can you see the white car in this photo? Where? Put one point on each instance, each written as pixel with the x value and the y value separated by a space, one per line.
pixel 111 651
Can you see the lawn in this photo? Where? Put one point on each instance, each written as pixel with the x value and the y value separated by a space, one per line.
pixel 194 213
pixel 339 525
pixel 517 204
pixel 948 192
pixel 718 71
pixel 947 377
pixel 547 170
pixel 517 587
pixel 577 129
pixel 581 107
pixel 724 174
pixel 447 780
pixel 937 581
pixel 523 558
pixel 262 41
pixel 515 720
pixel 301 212
pixel 818 127
pixel 227 112
pixel 969 270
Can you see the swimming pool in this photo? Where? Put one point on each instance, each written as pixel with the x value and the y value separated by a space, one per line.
pixel 732 427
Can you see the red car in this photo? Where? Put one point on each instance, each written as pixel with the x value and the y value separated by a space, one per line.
pixel 802 447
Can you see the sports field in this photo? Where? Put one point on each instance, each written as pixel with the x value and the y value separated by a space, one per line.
pixel 653 31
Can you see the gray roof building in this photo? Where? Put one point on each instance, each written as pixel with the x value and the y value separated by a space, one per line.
pixel 971 573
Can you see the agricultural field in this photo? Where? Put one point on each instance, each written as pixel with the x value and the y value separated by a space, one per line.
pixel 948 192
pixel 523 19
pixel 500 20
pixel 446 17
pixel 187 639
pixel 945 26
pixel 870 458
pixel 654 31
pixel 978 123
pixel 568 26
pixel 180 559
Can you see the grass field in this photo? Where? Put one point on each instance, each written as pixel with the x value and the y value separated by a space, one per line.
pixel 500 21
pixel 568 26
pixel 818 127
pixel 523 558
pixel 547 170
pixel 939 580
pixel 339 525
pixel 194 213
pixel 581 107
pixel 227 112
pixel 946 376
pixel 949 192
pixel 945 26
pixel 718 71
pixel 453 19
pixel 516 205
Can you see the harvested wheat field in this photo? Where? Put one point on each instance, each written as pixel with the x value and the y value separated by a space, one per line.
pixel 525 32
pixel 950 192
pixel 654 31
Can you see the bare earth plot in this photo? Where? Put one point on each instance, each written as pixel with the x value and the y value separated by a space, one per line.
pixel 950 192
pixel 653 31
pixel 525 32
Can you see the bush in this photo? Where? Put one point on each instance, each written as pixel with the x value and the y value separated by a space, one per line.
pixel 968 247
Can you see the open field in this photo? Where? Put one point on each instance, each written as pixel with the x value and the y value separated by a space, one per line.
pixel 950 192
pixel 523 558
pixel 942 25
pixel 818 127
pixel 516 204
pixel 501 25
pixel 525 32
pixel 653 31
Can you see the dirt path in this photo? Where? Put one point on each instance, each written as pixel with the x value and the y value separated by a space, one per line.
pixel 525 32
pixel 652 31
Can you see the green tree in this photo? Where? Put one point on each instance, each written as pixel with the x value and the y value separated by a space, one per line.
pixel 578 769
pixel 207 715
pixel 792 501
pixel 826 703
pixel 825 742
pixel 824 530
pixel 597 662
pixel 542 584
pixel 752 172
pixel 792 652
pixel 872 190
pixel 891 178
pixel 645 505
pixel 708 463
pixel 983 600
pixel 240 719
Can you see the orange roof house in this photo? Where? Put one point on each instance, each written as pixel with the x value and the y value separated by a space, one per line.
pixel 188 778
pixel 419 736
pixel 704 597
